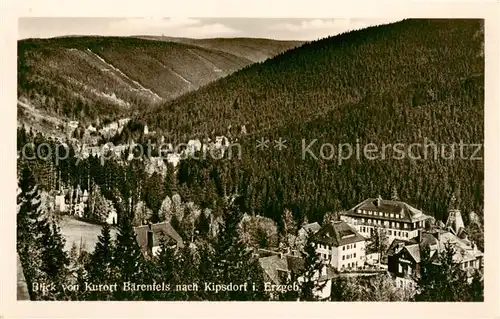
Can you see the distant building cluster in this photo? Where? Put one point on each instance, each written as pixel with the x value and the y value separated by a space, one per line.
pixel 345 245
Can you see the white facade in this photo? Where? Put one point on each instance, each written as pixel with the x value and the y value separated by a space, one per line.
pixel 350 256
pixel 393 229
pixel 112 218
pixel 60 203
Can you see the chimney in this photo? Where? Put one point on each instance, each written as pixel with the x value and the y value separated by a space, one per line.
pixel 379 201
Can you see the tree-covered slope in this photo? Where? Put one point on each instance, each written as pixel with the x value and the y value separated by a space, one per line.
pixel 83 77
pixel 414 55
pixel 253 49
pixel 416 81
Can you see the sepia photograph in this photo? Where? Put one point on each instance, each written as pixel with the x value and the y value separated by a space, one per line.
pixel 250 159
pixel 285 160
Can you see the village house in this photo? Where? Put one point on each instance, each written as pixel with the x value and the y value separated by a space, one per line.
pixel 404 256
pixel 279 267
pixel 149 237
pixel 340 245
pixel 60 202
pixel 400 220
pixel 304 232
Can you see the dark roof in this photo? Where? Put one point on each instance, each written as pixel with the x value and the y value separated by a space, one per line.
pixel 159 230
pixel 397 243
pixel 271 266
pixel 295 263
pixel 311 228
pixel 337 233
pixel 277 263
pixel 406 212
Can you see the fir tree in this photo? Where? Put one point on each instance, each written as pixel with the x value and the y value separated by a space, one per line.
pixel 379 242
pixel 100 265
pixel 309 274
pixel 233 263
pixel 127 259
pixel 441 279
pixel 54 259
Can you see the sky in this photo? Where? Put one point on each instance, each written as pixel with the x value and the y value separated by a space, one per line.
pixel 272 28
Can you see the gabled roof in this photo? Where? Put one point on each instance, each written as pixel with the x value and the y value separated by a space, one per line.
pixel 437 241
pixel 337 233
pixel 311 228
pixel 401 210
pixel 272 265
pixel 159 230
pixel 398 244
pixel 414 251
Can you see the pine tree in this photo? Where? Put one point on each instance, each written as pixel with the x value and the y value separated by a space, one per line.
pixel 309 274
pixel 39 243
pixel 28 224
pixel 441 279
pixel 379 242
pixel 233 263
pixel 127 259
pixel 100 265
pixel 54 259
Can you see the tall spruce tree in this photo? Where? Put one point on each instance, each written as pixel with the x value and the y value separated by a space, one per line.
pixel 39 243
pixel 233 262
pixel 310 273
pixel 100 264
pixel 28 225
pixel 442 279
pixel 54 259
pixel 128 259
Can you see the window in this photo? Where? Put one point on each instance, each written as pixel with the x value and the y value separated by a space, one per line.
pixel 343 247
pixel 343 257
pixel 375 213
pixel 390 232
pixel 400 268
pixel 392 215
pixel 399 233
pixel 369 212
pixel 406 234
pixel 405 225
pixel 354 245
pixel 354 255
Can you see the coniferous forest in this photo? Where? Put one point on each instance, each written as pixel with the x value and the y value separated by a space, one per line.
pixel 410 82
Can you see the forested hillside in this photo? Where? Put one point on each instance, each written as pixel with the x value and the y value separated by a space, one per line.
pixel 398 83
pixel 85 77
